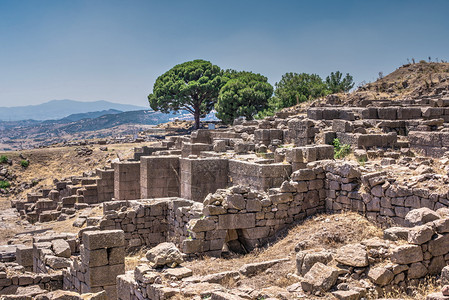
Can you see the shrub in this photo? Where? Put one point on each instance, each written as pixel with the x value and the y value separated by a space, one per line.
pixel 4 184
pixel 24 163
pixel 340 150
pixel 3 159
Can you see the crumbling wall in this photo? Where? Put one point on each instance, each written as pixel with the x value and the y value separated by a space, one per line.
pixel 101 260
pixel 151 221
pixel 12 279
pixel 253 218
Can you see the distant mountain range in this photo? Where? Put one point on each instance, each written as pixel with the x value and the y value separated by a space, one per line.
pixel 58 109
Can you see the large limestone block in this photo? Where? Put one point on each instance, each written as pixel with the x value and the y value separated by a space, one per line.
pixel 420 216
pixel 237 221
pixel 94 258
pixel 354 255
pixel 103 239
pixel 200 225
pixel 416 270
pixel 61 248
pixel 420 234
pixel 439 245
pixel 165 254
pixel 305 260
pixel 56 262
pixel 380 276
pixel 255 268
pixel 319 278
pixel 406 254
pixel 104 275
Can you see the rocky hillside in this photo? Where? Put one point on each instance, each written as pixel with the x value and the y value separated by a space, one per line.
pixel 407 82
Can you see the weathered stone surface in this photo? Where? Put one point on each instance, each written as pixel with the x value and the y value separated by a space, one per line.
pixel 199 225
pixel 103 239
pixel 56 262
pixel 439 245
pixel 219 295
pixel 420 216
pixel 61 248
pixel 219 277
pixel 319 278
pixel 396 233
pixel 305 260
pixel 254 268
pixel 94 258
pixel 445 275
pixel 445 290
pixel 165 254
pixel 380 276
pixel 234 201
pixel 441 225
pixel 179 272
pixel 104 275
pixel 416 270
pixel 420 234
pixel 237 221
pixel 437 296
pixel 28 292
pixel 354 255
pixel 347 295
pixel 406 254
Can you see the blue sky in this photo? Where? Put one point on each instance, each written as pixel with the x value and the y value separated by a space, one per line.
pixel 114 50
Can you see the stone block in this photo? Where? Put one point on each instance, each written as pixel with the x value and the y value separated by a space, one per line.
pixel 236 221
pixel 104 275
pixel 103 239
pixel 407 254
pixel 94 258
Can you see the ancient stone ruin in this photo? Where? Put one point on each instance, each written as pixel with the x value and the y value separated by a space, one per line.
pixel 235 190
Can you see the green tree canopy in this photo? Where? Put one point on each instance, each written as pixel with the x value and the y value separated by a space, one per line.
pixel 245 94
pixel 294 88
pixel 193 86
pixel 336 84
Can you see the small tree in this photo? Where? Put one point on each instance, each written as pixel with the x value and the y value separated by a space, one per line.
pixel 193 86
pixel 244 94
pixel 294 88
pixel 336 84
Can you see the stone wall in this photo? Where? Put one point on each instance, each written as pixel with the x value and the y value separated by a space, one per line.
pixel 101 260
pixel 242 218
pixel 52 253
pixel 127 180
pixel 257 175
pixel 375 195
pixel 159 176
pixel 13 279
pixel 105 185
pixel 150 222
pixel 433 144
pixel 202 176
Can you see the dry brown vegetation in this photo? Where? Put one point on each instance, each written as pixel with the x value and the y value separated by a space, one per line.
pixel 408 81
pixel 323 231
pixel 48 164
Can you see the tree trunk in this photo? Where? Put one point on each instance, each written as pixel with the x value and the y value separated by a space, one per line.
pixel 196 115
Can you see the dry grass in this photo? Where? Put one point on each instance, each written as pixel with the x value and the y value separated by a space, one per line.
pixel 132 261
pixel 426 286
pixel 48 164
pixel 323 231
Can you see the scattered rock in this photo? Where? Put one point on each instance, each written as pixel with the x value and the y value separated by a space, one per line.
pixel 165 254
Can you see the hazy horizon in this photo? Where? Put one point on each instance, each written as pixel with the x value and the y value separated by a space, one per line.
pixel 114 50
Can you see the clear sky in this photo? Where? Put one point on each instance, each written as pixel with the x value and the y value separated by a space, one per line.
pixel 114 50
